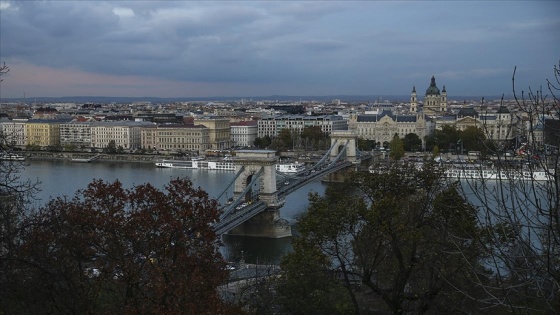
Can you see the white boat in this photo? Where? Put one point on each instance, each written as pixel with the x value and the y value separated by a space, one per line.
pixel 292 168
pixel 488 173
pixel 197 163
pixel 11 157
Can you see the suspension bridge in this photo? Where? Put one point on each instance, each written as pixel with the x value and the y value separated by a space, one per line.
pixel 251 201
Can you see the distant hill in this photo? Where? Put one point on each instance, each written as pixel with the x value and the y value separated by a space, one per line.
pixel 280 98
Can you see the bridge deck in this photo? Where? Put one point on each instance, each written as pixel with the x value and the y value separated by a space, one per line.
pixel 237 217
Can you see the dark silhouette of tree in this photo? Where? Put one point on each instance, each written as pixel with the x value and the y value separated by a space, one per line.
pixel 473 138
pixel 111 147
pixel 116 250
pixel 397 148
pixel 412 142
pixel 401 241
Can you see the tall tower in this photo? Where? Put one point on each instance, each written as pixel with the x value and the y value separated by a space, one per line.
pixel 434 101
pixel 413 100
pixel 443 104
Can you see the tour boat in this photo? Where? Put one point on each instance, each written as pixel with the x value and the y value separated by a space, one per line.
pixel 292 168
pixel 11 157
pixel 489 173
pixel 197 163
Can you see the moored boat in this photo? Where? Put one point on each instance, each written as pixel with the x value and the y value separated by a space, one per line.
pixel 292 168
pixel 197 163
pixel 476 171
pixel 11 157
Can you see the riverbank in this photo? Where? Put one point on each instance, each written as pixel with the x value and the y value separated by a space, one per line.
pixel 99 157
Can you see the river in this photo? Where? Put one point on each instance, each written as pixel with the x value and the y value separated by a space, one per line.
pixel 64 178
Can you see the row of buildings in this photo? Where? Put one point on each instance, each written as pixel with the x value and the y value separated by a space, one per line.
pixel 168 129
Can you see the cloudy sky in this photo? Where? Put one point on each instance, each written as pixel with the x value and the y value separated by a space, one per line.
pixel 260 48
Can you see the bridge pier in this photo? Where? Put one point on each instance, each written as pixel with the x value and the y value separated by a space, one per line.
pixel 265 224
pixel 341 138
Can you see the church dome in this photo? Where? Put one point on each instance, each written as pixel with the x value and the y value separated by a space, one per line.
pixel 433 89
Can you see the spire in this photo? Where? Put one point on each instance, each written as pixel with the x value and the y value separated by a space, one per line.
pixel 414 89
pixel 444 91
pixel 433 83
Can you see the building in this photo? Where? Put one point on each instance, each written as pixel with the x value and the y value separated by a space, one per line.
pixel 125 134
pixel 244 133
pixel 76 134
pixel 43 132
pixel 500 126
pixel 434 103
pixel 219 131
pixel 272 125
pixel 13 131
pixel 176 138
pixel 382 127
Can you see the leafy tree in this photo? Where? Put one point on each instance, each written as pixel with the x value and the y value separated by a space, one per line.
pixel 313 135
pixel 365 145
pixel 412 142
pixel 263 142
pixel 308 286
pixel 435 151
pixel 111 147
pixel 397 148
pixel 473 138
pixel 285 139
pixel 406 236
pixel 116 250
pixel 445 139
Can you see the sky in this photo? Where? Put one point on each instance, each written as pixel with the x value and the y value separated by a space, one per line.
pixel 260 48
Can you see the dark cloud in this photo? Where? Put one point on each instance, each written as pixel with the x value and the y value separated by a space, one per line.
pixel 357 47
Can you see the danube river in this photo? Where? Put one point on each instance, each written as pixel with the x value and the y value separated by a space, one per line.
pixel 63 178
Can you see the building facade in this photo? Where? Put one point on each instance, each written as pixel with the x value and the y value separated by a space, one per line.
pixel 272 125
pixel 435 101
pixel 76 134
pixel 382 127
pixel 43 132
pixel 13 131
pixel 499 126
pixel 219 131
pixel 176 138
pixel 244 133
pixel 125 134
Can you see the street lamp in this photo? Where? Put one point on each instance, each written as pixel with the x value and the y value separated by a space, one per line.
pixel 460 142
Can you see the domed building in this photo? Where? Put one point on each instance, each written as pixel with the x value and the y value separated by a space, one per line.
pixel 435 102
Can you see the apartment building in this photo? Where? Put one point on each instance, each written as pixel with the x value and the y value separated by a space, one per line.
pixel 126 134
pixel 219 131
pixel 13 131
pixel 43 132
pixel 244 133
pixel 272 125
pixel 76 133
pixel 176 138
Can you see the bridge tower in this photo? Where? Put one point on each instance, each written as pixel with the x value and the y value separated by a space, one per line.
pixel 339 138
pixel 267 223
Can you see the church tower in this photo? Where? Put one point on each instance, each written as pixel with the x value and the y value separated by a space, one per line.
pixel 443 104
pixel 413 100
pixel 435 102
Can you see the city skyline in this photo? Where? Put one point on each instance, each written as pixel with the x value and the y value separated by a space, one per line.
pixel 258 48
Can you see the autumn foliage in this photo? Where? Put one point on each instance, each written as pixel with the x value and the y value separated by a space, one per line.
pixel 116 250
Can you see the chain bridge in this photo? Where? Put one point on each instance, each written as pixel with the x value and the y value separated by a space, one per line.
pixel 251 201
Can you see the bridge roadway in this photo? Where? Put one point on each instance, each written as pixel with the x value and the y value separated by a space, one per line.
pixel 237 217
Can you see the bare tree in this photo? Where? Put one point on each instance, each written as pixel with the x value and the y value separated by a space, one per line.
pixel 522 213
pixel 15 196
